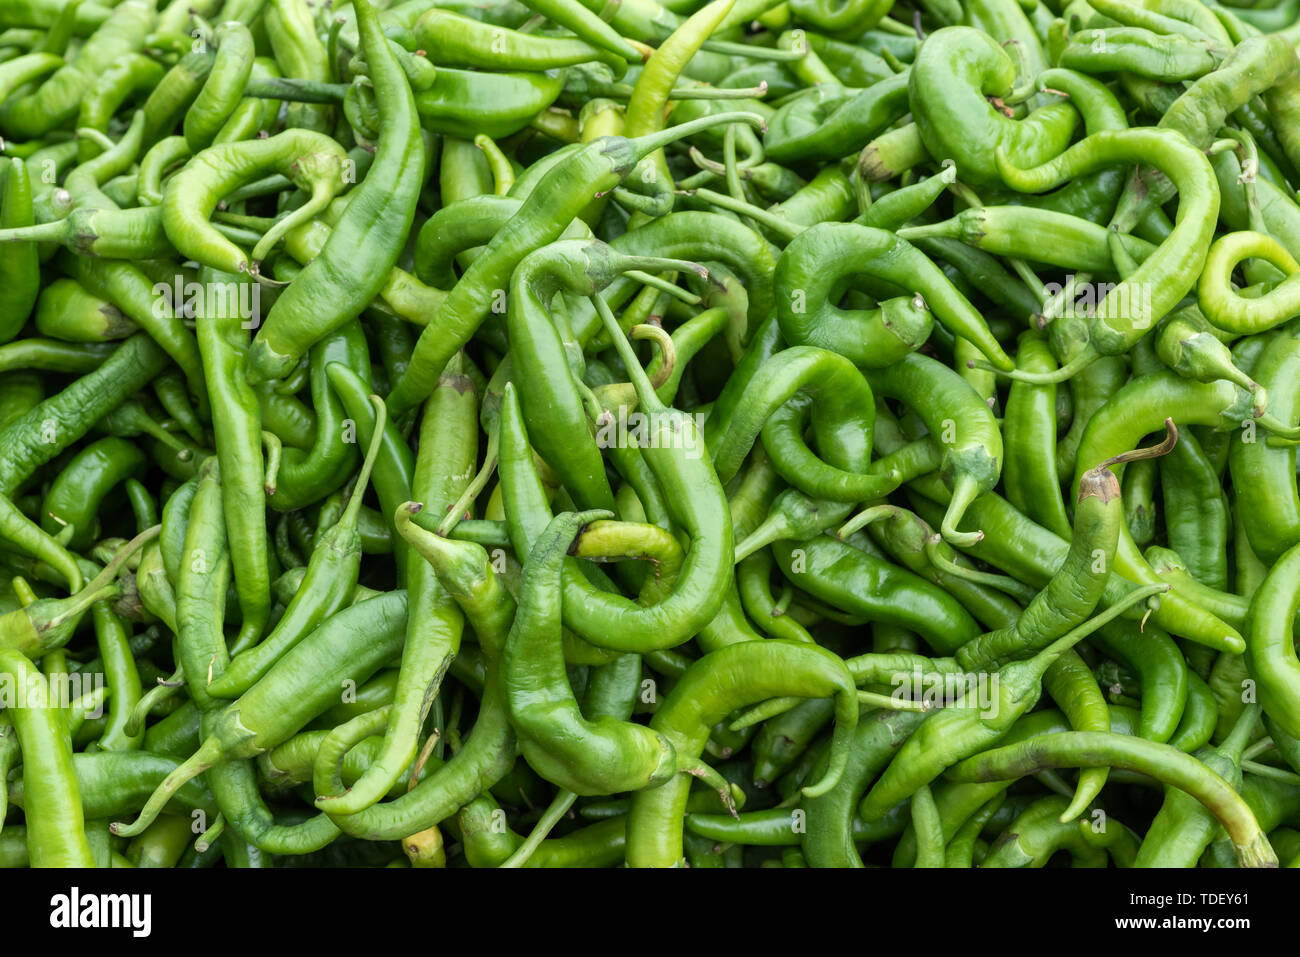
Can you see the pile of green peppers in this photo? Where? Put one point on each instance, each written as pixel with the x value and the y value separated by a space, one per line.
pixel 729 434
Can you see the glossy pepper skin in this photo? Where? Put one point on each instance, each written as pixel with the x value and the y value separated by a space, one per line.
pixel 849 578
pixel 841 121
pixel 958 417
pixel 1259 471
pixel 1216 405
pixel 258 720
pixel 540 356
pixel 965 728
pixel 700 588
pixel 1072 594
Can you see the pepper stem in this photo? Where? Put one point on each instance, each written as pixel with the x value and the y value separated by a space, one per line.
pixel 762 712
pixel 777 224
pixel 727 791
pixel 550 817
pixel 868 516
pixel 460 508
pixel 1004 583
pixel 872 699
pixel 719 93
pixel 165 688
pixel 1234 745
pixel 964 491
pixel 123 554
pixel 76 606
pixel 948 229
pixel 55 232
pixel 349 517
pixel 645 391
pixel 667 350
pixel 663 285
pixel 209 836
pixel 1064 373
pixel 1045 658
pixel 1151 452
pixel 631 264
pixel 1277 428
pixel 643 146
pixel 322 194
pixel 772 529
pixel 208 754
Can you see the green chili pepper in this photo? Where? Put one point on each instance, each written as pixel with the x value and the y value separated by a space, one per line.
pixel 312 160
pixel 395 466
pixel 955 71
pixel 850 578
pixel 1259 471
pixel 19 266
pixel 54 815
pixel 18 530
pixel 223 87
pixel 548 395
pixel 1165 57
pixel 842 414
pixel 1196 513
pixel 76 495
pixel 323 298
pixel 61 420
pixel 1229 310
pixel 842 120
pixel 47 624
pixel 963 425
pixel 715 686
pixel 1269 653
pixel 258 719
pixel 1072 594
pixel 1167 764
pixel 307 475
